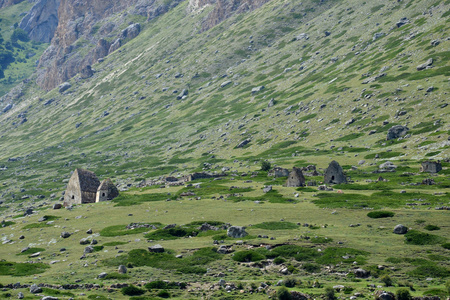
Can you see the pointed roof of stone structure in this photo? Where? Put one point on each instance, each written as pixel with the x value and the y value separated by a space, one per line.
pixel 106 184
pixel 87 179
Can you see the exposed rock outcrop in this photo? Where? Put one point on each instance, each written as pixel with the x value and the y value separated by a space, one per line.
pixel 41 21
pixel 91 21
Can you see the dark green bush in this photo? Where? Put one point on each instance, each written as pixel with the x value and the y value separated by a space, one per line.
pixel 164 294
pixel 380 214
pixel 446 246
pixel 248 256
pixel 265 166
pixel 402 294
pixel 432 227
pixel 311 268
pixel 279 260
pixel 132 291
pixel 329 293
pixel 283 294
pixel 414 237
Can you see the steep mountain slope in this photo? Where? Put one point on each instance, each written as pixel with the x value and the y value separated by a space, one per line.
pixel 311 58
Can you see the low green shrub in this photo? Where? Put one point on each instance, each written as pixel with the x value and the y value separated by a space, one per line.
pixel 248 256
pixel 21 269
pixel 446 246
pixel 116 276
pixel 114 244
pixel 120 230
pixel 132 291
pixel 283 294
pixel 311 268
pixel 430 271
pixel 403 294
pixel 335 255
pixel 432 227
pixel 276 225
pixel 414 237
pixel 380 214
pixel 163 294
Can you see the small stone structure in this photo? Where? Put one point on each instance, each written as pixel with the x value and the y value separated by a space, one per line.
pixel 278 172
pixel 82 188
pixel 295 178
pixel 334 174
pixel 431 166
pixel 106 191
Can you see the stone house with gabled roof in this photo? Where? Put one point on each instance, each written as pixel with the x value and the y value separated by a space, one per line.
pixel 106 191
pixel 82 188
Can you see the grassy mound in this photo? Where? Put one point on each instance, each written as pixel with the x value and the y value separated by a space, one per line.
pixel 276 225
pixel 414 237
pixel 21 269
pixel 380 214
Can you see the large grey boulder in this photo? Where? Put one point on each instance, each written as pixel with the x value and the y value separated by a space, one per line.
pixel 131 31
pixel 400 229
pixel 102 275
pixel 236 232
pixel 156 249
pixel 64 87
pixel 89 249
pixel 397 131
pixel 425 65
pixel 41 21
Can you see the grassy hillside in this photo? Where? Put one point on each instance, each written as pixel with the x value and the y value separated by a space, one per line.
pixel 303 83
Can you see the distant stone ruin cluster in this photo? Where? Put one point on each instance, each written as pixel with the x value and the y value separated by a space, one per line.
pixel 333 175
pixel 84 187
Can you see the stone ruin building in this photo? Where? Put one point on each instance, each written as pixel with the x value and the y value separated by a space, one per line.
pixel 295 178
pixel 278 172
pixel 431 166
pixel 334 174
pixel 84 187
pixel 106 191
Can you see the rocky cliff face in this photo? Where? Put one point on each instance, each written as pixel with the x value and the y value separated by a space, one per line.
pixel 87 24
pixel 41 21
pixel 223 9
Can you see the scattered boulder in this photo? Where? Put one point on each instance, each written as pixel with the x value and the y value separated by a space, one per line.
pixel 257 89
pixel 225 83
pixel 302 36
pixel 236 232
pixel 403 21
pixel 64 87
pixel 156 249
pixel 34 289
pixel 183 93
pixel 396 132
pixel 28 211
pixel 89 231
pixel 361 273
pixel 102 275
pixel 57 206
pixel 122 269
pixel 243 143
pixel 65 234
pixel 20 295
pixel 267 189
pixel 84 241
pixel 400 229
pixel 131 31
pixel 7 107
pixel 49 298
pixel 388 167
pixel 271 102
pixel 89 249
pixel 425 65
pixel 382 295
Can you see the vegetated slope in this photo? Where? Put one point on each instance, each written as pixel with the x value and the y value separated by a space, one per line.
pixel 312 58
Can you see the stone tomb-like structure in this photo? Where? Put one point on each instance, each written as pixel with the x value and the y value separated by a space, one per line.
pixel 84 187
pixel 334 174
pixel 295 178
pixel 431 166
pixel 106 191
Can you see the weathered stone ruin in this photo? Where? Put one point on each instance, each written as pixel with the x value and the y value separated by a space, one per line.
pixel 278 172
pixel 334 174
pixel 431 166
pixel 84 187
pixel 106 191
pixel 295 178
